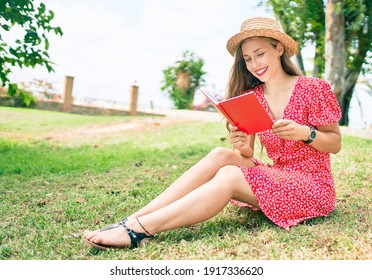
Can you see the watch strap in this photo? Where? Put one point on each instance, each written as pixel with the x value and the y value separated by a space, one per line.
pixel 311 139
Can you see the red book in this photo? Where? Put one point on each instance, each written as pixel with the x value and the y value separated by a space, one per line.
pixel 243 111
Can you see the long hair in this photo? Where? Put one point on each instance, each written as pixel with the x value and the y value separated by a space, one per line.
pixel 241 79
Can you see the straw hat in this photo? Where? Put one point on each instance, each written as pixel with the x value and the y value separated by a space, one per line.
pixel 264 27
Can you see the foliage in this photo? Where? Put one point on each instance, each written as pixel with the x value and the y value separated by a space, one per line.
pixel 20 97
pixel 304 20
pixel 31 48
pixel 91 182
pixel 25 94
pixel 358 35
pixel 193 66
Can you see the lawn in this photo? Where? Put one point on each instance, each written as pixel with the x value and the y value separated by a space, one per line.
pixel 62 173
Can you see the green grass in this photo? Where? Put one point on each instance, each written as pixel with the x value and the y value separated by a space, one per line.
pixel 55 183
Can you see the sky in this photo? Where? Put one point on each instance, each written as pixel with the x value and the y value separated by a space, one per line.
pixel 108 45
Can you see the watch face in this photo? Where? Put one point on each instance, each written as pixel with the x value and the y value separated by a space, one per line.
pixel 312 134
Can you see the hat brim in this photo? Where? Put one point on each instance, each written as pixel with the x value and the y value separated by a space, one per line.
pixel 289 44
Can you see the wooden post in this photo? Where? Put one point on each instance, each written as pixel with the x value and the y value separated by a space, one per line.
pixel 133 99
pixel 67 100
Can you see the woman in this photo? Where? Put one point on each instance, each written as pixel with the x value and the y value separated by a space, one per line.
pixel 297 186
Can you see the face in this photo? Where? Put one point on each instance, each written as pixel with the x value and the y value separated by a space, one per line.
pixel 261 58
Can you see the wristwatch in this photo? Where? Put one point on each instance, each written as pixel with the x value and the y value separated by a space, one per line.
pixel 312 135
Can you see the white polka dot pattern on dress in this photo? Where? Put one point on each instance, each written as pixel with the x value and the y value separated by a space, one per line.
pixel 298 185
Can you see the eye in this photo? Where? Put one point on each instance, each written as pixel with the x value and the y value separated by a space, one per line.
pixel 261 54
pixel 248 59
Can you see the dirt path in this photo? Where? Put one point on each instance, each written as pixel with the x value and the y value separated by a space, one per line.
pixel 99 131
pixel 171 117
pixel 109 130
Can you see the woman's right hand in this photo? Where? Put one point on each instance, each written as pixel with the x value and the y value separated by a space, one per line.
pixel 241 141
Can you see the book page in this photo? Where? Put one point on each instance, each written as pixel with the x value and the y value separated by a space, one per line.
pixel 210 96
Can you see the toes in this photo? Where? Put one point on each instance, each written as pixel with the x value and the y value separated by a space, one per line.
pixel 88 235
pixel 112 237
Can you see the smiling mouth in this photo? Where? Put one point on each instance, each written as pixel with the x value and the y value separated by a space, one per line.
pixel 261 71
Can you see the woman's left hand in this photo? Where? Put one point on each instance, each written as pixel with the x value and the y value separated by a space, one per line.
pixel 290 130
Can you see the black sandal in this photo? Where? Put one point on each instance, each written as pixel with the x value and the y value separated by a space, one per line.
pixel 135 237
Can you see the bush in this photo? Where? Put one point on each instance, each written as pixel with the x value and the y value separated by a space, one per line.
pixel 21 97
pixel 181 80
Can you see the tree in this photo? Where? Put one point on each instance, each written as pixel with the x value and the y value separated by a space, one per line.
pixel 335 53
pixel 304 20
pixel 358 45
pixel 31 48
pixel 182 79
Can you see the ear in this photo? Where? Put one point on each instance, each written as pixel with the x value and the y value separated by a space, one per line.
pixel 280 48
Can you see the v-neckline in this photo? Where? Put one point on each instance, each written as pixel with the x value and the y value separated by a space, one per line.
pixel 286 106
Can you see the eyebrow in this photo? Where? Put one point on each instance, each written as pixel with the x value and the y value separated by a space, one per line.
pixel 256 50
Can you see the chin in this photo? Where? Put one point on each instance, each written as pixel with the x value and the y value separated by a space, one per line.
pixel 262 79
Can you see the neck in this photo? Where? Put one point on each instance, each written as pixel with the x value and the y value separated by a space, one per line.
pixel 279 83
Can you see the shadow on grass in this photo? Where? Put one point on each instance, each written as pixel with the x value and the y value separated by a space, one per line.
pixel 242 220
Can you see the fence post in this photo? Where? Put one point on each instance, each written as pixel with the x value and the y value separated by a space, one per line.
pixel 133 99
pixel 67 100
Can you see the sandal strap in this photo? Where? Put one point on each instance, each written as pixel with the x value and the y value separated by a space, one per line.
pixel 110 227
pixel 149 234
pixel 135 237
pixel 114 225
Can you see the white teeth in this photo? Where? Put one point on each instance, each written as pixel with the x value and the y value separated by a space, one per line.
pixel 261 71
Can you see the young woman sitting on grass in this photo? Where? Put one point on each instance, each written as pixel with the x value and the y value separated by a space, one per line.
pixel 297 186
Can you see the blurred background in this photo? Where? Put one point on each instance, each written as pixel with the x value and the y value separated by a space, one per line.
pixel 108 46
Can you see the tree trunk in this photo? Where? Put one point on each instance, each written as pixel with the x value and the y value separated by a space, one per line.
pixel 317 70
pixel 300 62
pixel 335 55
pixel 319 55
pixel 183 80
pixel 183 84
pixel 345 97
pixel 362 39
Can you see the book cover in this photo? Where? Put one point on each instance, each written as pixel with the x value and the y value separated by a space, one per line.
pixel 243 111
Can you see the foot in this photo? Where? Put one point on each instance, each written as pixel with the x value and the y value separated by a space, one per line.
pixel 127 233
pixel 116 237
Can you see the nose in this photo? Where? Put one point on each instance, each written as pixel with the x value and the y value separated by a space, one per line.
pixel 254 63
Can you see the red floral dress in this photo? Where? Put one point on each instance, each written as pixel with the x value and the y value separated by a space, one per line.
pixel 298 185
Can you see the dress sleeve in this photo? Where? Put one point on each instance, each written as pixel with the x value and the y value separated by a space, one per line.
pixel 324 108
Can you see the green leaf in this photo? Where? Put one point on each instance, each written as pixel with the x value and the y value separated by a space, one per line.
pixel 31 49
pixel 12 89
pixel 5 27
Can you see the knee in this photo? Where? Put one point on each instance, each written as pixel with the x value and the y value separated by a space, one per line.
pixel 232 181
pixel 230 175
pixel 222 154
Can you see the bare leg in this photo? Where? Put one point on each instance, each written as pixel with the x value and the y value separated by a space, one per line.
pixel 200 173
pixel 197 206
